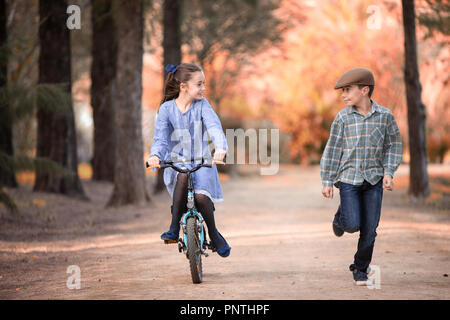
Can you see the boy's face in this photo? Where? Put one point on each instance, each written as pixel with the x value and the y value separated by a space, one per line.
pixel 353 95
pixel 195 87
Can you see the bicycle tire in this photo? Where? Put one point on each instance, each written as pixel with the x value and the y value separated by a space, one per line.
pixel 194 252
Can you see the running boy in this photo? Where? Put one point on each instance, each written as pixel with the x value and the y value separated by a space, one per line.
pixel 360 158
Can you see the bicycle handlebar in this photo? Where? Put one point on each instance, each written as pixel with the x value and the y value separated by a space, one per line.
pixel 167 164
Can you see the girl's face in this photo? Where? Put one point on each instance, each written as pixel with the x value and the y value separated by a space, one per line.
pixel 195 87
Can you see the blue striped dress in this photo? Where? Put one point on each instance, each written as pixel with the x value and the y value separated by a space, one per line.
pixel 185 136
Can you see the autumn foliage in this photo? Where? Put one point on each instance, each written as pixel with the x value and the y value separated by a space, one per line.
pixel 292 82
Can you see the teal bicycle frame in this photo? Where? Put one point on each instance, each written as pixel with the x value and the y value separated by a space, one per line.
pixel 193 213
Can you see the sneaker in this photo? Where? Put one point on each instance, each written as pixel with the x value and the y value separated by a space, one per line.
pixel 338 231
pixel 360 277
pixel 369 271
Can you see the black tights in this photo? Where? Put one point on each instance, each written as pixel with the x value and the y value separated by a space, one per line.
pixel 202 202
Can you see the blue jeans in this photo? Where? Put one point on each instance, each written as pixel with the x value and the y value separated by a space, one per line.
pixel 360 210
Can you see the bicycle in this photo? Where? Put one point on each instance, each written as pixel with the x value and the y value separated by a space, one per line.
pixel 194 242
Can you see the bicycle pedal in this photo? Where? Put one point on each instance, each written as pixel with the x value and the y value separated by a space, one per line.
pixel 210 247
pixel 170 241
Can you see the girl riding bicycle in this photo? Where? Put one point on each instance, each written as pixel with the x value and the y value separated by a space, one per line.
pixel 185 123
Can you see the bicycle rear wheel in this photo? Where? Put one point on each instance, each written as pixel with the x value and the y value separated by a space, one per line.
pixel 194 252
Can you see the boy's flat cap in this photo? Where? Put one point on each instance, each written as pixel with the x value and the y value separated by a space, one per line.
pixel 355 76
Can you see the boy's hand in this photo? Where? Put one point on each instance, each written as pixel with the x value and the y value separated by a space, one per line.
pixel 388 183
pixel 327 192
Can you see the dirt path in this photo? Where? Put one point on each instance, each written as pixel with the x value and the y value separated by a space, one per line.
pixel 279 228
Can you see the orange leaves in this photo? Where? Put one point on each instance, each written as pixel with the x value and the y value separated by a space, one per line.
pixel 25 177
pixel 28 177
pixel 39 203
pixel 334 38
pixel 85 171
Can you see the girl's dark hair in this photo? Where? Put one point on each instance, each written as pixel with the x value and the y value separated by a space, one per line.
pixel 172 85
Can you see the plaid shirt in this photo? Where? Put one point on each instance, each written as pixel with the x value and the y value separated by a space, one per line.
pixel 361 147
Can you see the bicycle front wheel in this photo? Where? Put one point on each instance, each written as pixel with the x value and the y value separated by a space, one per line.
pixel 194 252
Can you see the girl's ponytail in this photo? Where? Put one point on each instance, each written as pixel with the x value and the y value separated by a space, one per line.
pixel 177 75
pixel 171 88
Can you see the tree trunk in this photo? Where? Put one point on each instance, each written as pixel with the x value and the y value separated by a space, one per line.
pixel 7 177
pixel 129 176
pixel 172 53
pixel 103 72
pixel 56 137
pixel 419 186
pixel 172 33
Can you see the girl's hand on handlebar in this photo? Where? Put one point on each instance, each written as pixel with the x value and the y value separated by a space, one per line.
pixel 153 162
pixel 219 154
